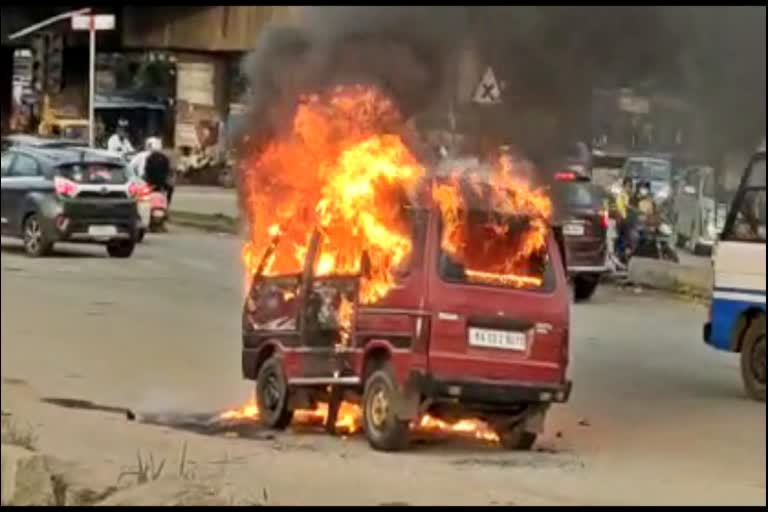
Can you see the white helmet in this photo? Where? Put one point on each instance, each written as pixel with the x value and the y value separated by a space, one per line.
pixel 154 144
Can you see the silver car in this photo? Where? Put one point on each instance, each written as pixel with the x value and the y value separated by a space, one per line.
pixel 699 218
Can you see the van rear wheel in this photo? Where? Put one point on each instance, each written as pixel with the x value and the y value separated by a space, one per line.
pixel 516 438
pixel 753 360
pixel 272 396
pixel 383 429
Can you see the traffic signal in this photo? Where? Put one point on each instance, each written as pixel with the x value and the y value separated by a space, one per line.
pixel 54 63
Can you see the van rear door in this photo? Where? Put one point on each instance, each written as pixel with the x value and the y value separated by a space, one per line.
pixel 497 332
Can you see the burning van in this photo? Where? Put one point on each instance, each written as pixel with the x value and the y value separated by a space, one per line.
pixel 426 300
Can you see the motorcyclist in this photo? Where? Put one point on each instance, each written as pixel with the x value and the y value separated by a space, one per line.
pixel 625 222
pixel 153 166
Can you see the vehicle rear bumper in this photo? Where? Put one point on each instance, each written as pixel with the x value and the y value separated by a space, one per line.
pixel 77 230
pixel 588 269
pixel 494 392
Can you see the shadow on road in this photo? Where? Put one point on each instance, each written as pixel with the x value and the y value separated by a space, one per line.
pixel 58 252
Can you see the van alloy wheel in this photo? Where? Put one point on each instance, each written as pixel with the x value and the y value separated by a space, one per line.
pixel 379 408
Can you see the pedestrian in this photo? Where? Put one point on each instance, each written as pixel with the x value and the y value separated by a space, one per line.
pixel 119 142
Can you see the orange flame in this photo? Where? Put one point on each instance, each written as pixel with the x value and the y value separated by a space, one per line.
pixel 349 421
pixel 340 173
pixel 490 251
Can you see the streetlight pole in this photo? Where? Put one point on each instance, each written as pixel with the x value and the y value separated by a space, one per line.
pixel 92 85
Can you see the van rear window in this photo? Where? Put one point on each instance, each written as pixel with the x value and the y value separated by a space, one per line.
pixel 94 173
pixel 531 273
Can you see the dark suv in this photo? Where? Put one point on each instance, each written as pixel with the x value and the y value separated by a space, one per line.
pixel 582 215
pixel 67 195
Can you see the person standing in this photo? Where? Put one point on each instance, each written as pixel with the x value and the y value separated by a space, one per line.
pixel 119 142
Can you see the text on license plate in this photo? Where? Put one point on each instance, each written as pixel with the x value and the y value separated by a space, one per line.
pixel 573 229
pixel 489 338
pixel 102 230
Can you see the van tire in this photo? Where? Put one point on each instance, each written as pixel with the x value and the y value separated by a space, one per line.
pixel 516 438
pixel 384 430
pixel 272 396
pixel 752 355
pixel 584 286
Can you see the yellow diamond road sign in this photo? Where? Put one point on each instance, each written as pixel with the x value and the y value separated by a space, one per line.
pixel 488 90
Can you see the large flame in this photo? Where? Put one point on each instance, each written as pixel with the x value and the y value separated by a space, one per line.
pixel 339 172
pixel 500 244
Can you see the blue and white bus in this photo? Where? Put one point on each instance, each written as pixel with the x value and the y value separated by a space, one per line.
pixel 737 311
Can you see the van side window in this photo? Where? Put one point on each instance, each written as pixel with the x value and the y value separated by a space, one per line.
pixel 24 167
pixel 418 221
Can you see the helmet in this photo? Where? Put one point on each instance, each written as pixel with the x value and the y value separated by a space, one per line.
pixel 154 144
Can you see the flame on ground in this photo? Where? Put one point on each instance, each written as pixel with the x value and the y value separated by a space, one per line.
pixel 343 172
pixel 350 421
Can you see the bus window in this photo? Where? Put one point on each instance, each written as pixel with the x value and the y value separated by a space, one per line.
pixel 749 222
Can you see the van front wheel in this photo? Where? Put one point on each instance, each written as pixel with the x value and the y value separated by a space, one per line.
pixel 384 430
pixel 272 396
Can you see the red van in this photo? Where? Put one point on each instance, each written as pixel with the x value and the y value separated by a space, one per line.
pixel 437 343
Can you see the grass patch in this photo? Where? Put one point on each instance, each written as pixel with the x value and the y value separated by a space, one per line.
pixel 15 434
pixel 147 470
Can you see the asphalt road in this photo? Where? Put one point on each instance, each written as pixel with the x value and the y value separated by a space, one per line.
pixel 656 417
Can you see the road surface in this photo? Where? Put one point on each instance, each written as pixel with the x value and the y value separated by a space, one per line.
pixel 656 417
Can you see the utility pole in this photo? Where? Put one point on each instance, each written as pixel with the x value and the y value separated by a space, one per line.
pixel 92 23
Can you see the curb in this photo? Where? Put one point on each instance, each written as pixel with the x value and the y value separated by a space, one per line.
pixel 216 223
pixel 679 279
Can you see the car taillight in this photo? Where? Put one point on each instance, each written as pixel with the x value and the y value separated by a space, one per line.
pixel 565 176
pixel 64 187
pixel 605 219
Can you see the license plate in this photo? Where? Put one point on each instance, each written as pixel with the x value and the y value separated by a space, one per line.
pixel 102 230
pixel 507 340
pixel 573 230
pixel 158 214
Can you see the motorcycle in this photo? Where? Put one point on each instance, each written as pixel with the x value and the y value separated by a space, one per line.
pixel 152 206
pixel 158 202
pixel 656 242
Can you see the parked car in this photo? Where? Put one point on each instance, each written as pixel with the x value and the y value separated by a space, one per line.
pixel 67 195
pixel 34 141
pixel 699 216
pixel 581 210
pixel 438 343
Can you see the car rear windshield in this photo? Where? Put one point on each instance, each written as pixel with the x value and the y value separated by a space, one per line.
pixel 532 273
pixel 576 195
pixel 94 173
pixel 651 170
